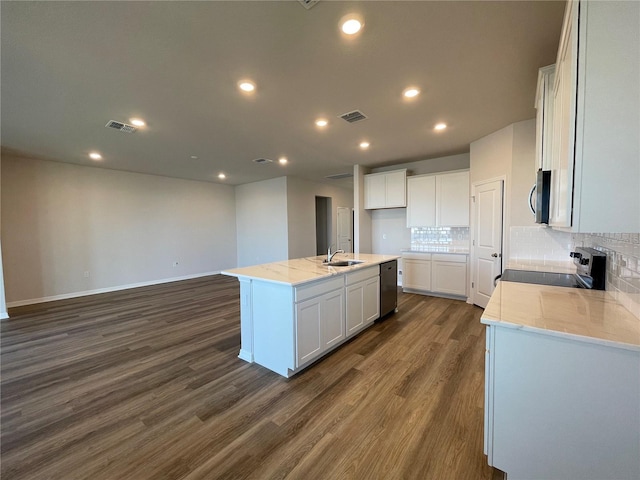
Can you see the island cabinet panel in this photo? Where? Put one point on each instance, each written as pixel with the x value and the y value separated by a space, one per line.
pixel 557 407
pixel 319 319
pixel 363 299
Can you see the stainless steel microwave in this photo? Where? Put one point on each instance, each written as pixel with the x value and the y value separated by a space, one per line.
pixel 540 196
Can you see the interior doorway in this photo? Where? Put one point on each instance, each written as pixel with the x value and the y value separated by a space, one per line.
pixel 323 225
pixel 344 224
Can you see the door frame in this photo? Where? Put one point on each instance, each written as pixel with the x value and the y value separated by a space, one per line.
pixel 473 232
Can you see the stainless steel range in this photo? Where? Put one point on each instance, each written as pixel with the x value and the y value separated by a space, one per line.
pixel 591 268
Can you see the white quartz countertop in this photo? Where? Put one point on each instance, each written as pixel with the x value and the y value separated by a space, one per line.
pixel 304 270
pixel 589 315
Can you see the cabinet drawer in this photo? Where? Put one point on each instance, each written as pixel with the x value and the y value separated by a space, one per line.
pixel 314 289
pixel 360 275
pixel 449 257
pixel 416 256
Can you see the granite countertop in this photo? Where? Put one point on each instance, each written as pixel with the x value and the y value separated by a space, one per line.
pixel 304 270
pixel 589 315
pixel 437 249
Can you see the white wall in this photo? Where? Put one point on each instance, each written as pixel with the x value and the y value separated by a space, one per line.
pixel 61 220
pixel 301 208
pixel 509 153
pixel 261 222
pixel 433 165
pixel 362 217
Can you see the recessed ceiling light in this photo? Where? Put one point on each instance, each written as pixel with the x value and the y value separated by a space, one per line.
pixel 193 157
pixel 351 24
pixel 138 122
pixel 247 86
pixel 222 176
pixel 95 156
pixel 321 122
pixel 283 160
pixel 440 126
pixel 364 145
pixel 411 92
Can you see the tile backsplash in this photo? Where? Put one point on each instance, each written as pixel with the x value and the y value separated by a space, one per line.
pixel 423 237
pixel 547 245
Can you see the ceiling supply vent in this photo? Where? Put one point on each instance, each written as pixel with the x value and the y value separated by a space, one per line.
pixel 353 117
pixel 339 176
pixel 263 161
pixel 308 3
pixel 123 127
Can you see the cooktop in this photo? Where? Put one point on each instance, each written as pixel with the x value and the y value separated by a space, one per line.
pixel 542 278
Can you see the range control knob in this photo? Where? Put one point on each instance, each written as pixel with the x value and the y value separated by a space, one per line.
pixel 584 261
pixel 575 255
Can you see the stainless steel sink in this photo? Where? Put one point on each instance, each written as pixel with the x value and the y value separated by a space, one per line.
pixel 342 263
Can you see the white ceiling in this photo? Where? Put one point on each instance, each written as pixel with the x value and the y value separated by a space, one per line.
pixel 69 67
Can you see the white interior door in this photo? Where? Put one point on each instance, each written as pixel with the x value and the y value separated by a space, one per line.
pixel 487 239
pixel 344 229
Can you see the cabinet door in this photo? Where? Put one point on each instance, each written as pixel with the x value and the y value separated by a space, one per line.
pixel 452 199
pixel 396 189
pixel 374 191
pixel 450 278
pixel 308 330
pixel 416 274
pixel 564 114
pixel 355 307
pixel 421 204
pixel 371 300
pixel 332 318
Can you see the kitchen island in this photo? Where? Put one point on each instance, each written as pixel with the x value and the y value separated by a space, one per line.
pixel 295 311
pixel 562 383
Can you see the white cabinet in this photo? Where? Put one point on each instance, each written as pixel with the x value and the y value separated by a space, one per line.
pixel 421 201
pixel 416 272
pixel 438 200
pixel 596 119
pixel 319 319
pixel 452 199
pixel 449 274
pixel 435 273
pixel 385 189
pixel 560 408
pixel 544 117
pixel 363 298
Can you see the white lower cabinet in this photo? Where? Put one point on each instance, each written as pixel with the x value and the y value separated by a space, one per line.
pixel 557 407
pixel 436 273
pixel 363 299
pixel 319 319
pixel 416 273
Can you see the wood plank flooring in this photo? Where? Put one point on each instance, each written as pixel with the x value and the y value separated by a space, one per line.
pixel 146 384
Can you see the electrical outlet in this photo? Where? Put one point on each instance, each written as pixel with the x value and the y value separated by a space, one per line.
pixel 175 264
pixel 86 274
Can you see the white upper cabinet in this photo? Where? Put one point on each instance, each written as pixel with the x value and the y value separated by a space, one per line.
pixel 438 200
pixel 421 201
pixel 452 199
pixel 385 189
pixel 596 107
pixel 544 117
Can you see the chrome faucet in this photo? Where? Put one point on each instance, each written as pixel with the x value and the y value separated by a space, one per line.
pixel 331 255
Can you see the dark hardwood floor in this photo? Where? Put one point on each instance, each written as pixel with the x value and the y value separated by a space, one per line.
pixel 146 384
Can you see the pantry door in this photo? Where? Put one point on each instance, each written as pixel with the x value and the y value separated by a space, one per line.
pixel 486 242
pixel 344 229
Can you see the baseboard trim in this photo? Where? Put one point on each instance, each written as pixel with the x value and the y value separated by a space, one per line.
pixel 65 296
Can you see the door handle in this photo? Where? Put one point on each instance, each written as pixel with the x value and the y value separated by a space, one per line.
pixel 495 255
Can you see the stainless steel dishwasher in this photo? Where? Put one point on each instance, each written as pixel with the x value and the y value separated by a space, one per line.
pixel 388 287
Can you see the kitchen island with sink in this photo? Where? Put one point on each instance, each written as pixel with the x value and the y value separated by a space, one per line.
pixel 295 311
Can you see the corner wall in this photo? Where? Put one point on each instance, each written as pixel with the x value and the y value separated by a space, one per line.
pixel 69 230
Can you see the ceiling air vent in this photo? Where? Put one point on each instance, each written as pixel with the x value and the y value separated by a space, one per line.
pixel 339 176
pixel 308 3
pixel 123 127
pixel 353 117
pixel 263 161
